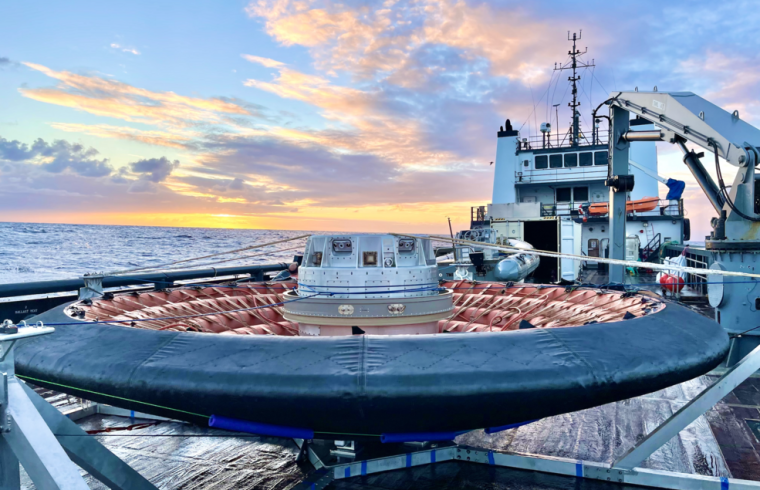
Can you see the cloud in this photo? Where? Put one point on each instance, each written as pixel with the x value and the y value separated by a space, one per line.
pixel 727 80
pixel 15 151
pixel 57 157
pixel 111 98
pixel 7 63
pixel 125 49
pixel 370 41
pixel 154 169
pixel 236 184
pixel 371 121
pixel 27 186
pixel 269 63
pixel 63 177
pixel 395 115
pixel 310 175
pixel 62 158
pixel 157 138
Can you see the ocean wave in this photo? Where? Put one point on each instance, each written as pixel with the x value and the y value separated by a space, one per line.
pixel 61 255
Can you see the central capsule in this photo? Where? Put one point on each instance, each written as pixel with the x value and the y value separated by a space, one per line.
pixel 373 284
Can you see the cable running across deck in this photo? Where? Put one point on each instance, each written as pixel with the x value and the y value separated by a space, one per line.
pixel 583 258
pixel 158 266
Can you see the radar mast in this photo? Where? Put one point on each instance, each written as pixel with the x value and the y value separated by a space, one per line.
pixel 574 65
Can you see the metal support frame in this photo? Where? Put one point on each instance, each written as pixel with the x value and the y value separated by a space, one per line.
pixel 46 287
pixel 683 117
pixel 324 475
pixel 690 412
pixel 619 157
pixel 45 442
pixel 624 470
pixel 93 286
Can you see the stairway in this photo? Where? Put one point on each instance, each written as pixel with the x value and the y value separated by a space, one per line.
pixel 651 251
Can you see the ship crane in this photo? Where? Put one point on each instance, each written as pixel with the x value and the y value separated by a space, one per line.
pixel 683 117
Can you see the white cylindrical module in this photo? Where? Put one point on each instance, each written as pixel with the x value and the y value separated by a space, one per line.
pixel 375 284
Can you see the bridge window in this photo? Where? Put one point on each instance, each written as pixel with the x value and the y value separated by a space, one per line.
pixel 571 159
pixel 564 194
pixel 580 194
pixel 542 161
pixel 586 159
pixel 555 161
pixel 600 158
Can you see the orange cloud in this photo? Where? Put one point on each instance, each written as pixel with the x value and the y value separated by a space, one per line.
pixel 366 41
pixel 403 146
pixel 268 62
pixel 112 98
pixel 368 127
pixel 158 138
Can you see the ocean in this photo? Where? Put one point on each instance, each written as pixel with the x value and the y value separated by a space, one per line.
pixel 41 252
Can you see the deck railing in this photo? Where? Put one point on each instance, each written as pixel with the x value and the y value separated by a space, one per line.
pixel 695 257
pixel 664 208
pixel 528 175
pixel 551 141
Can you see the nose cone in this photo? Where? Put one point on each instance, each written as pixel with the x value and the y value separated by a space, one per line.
pixel 507 270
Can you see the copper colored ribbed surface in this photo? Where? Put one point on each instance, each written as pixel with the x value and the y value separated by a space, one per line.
pixel 478 307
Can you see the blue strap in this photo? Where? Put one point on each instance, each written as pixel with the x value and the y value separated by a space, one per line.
pixel 408 460
pixel 579 469
pixel 490 457
pixel 432 456
pixel 347 473
pixel 723 483
pixel 364 468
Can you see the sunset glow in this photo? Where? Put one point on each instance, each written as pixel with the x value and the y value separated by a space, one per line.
pixel 320 115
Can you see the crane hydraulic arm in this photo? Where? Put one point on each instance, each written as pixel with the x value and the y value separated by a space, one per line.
pixel 683 117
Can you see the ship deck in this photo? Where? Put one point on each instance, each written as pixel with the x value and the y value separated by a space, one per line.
pixel 722 443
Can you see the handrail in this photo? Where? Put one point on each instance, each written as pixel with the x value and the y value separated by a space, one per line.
pixel 653 247
pixel 44 287
pixel 570 208
pixel 538 142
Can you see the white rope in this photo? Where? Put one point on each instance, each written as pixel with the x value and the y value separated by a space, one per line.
pixel 627 263
pixel 204 257
pixel 271 252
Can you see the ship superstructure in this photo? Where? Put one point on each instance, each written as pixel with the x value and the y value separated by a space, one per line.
pixel 550 191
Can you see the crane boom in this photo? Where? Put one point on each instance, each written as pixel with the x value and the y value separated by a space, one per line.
pixel 649 172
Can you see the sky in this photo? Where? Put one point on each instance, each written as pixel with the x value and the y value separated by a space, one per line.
pixel 353 116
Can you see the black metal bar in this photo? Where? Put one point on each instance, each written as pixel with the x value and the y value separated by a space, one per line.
pixel 704 180
pixel 44 287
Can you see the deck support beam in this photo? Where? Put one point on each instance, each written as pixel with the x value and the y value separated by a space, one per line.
pixel 86 451
pixel 619 155
pixel 45 442
pixel 544 464
pixel 690 412
pixel 35 446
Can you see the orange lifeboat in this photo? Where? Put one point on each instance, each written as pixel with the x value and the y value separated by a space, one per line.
pixel 640 205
